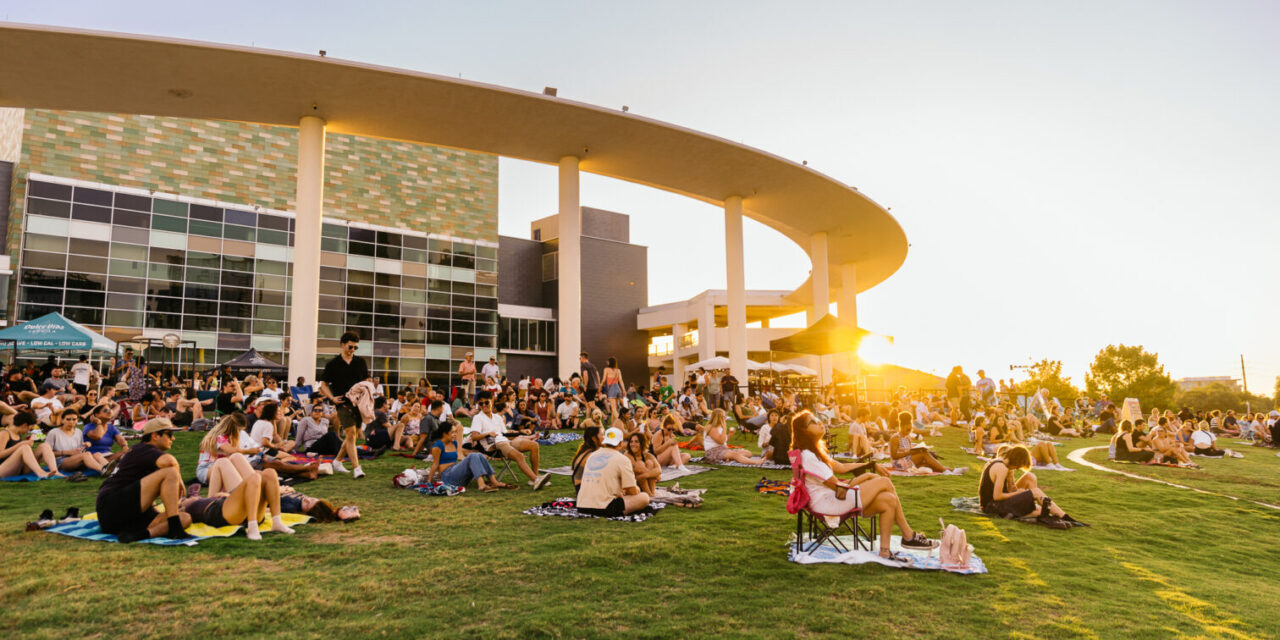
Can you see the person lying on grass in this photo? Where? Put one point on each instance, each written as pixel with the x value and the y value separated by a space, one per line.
pixel 644 465
pixel 874 494
pixel 1001 495
pixel 609 487
pixel 715 443
pixel 70 450
pixel 19 453
pixel 451 464
pixel 247 503
pixel 126 498
pixel 905 455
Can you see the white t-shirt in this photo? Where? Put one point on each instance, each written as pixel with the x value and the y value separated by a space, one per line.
pixel 448 411
pixel 80 373
pixel 490 425
pixel 247 441
pixel 270 394
pixel 816 471
pixel 262 430
pixel 490 370
pixel 1203 439
pixel 60 440
pixel 45 407
pixel 566 410
pixel 763 436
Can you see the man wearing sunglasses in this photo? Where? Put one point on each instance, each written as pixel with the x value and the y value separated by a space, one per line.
pixel 340 374
pixel 127 497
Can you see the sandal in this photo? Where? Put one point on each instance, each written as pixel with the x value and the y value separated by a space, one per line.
pixel 490 489
pixel 897 557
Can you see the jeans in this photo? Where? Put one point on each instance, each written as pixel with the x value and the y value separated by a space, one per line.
pixel 469 468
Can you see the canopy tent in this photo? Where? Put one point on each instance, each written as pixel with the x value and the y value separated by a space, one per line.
pixel 710 364
pixel 827 336
pixel 252 360
pixel 54 332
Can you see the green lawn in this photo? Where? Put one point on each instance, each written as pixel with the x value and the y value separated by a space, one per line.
pixel 1159 562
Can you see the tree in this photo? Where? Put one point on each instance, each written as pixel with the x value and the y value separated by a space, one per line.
pixel 1122 372
pixel 1047 374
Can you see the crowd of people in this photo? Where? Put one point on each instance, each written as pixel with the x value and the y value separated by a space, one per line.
pixel 259 434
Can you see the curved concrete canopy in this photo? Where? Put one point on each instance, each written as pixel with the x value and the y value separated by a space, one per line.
pixel 56 68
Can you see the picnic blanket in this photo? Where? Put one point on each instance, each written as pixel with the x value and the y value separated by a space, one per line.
pixel 668 473
pixel 920 560
pixel 87 528
pixel 438 489
pixel 677 497
pixel 766 465
pixel 558 438
pixel 1035 465
pixel 31 477
pixel 925 471
pixel 972 505
pixel 696 445
pixel 363 451
pixel 568 508
pixel 774 487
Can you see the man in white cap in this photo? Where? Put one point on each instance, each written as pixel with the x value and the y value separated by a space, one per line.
pixel 609 485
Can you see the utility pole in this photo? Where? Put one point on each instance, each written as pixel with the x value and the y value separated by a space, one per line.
pixel 1243 380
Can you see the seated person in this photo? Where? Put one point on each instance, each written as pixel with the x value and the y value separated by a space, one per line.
pixel 907 456
pixel 590 442
pixel 665 445
pixel 1128 450
pixel 873 494
pixel 1162 438
pixel 70 451
pixel 312 429
pixel 859 441
pixel 406 431
pixel 101 433
pixel 1045 455
pixel 609 488
pixel 247 503
pixel 226 438
pixel 19 452
pixel 529 419
pixel 376 434
pixel 988 437
pixel 546 414
pixel 567 414
pixel 263 432
pixel 449 468
pixel 487 431
pixel 1000 495
pixel 644 465
pixel 145 473
pixel 715 443
pixel 1204 443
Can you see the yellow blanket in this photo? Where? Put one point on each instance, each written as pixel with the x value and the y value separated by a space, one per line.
pixel 202 530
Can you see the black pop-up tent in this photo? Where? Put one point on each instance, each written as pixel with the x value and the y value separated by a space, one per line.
pixel 251 360
pixel 827 336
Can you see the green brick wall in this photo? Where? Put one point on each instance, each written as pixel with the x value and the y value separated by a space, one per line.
pixel 391 183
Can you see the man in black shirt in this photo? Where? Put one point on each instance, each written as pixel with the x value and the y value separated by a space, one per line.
pixel 590 380
pixel 340 374
pixel 231 399
pixel 147 471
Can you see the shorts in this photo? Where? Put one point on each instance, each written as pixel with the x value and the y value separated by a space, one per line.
pixel 347 416
pixel 823 501
pixel 716 454
pixel 120 511
pixel 1016 506
pixel 589 394
pixel 616 508
pixel 613 390
pixel 202 471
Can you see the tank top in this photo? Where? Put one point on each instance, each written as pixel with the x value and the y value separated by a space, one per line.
pixel 987 488
pixel 446 457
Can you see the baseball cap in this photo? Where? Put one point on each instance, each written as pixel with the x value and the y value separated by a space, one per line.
pixel 613 437
pixel 157 424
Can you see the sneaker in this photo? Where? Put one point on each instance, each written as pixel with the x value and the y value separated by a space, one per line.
pixel 46 519
pixel 919 541
pixel 337 466
pixel 358 473
pixel 541 481
pixel 72 515
pixel 325 469
pixel 110 468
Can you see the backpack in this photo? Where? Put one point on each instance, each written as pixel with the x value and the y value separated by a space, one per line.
pixel 953 550
pixel 799 497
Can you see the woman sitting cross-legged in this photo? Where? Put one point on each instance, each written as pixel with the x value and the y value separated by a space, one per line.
pixel 715 442
pixel 69 447
pixel 247 503
pixel 665 445
pixel 1001 495
pixel 904 456
pixel 874 494
pixel 644 464
pixel 449 468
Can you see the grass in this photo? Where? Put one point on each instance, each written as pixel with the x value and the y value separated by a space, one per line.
pixel 1159 562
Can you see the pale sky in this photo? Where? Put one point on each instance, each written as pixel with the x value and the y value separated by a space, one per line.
pixel 1068 176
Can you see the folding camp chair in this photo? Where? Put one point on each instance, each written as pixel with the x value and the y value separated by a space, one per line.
pixel 813 529
pixel 501 465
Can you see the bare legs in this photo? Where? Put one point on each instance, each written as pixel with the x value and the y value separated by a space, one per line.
pixel 1028 482
pixel 1045 453
pixel 22 460
pixel 881 499
pixel 530 446
pixel 84 460
pixel 859 445
pixel 926 459
pixel 165 484
pixel 742 456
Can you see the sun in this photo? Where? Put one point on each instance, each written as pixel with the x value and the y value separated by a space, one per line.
pixel 875 349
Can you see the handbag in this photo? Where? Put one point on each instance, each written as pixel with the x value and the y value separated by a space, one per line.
pixel 953 551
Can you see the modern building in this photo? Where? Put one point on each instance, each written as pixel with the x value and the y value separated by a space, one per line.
pixel 1187 384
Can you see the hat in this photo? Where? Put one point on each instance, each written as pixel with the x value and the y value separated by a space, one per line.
pixel 469 353
pixel 156 424
pixel 122 386
pixel 1274 413
pixel 613 437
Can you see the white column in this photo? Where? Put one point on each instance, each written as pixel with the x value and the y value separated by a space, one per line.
pixel 569 285
pixel 819 278
pixel 706 328
pixel 847 306
pixel 677 363
pixel 734 264
pixel 308 205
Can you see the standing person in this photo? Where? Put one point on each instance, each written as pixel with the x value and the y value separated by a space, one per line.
pixel 81 372
pixel 491 370
pixel 953 385
pixel 147 472
pixel 590 380
pixel 341 373
pixel 609 488
pixel 467 371
pixel 986 389
pixel 613 384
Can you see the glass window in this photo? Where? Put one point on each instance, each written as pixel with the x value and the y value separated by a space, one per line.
pixel 361 291
pixel 442 259
pixel 128 218
pixel 274 268
pixel 131 268
pixel 205 212
pixel 237 279
pixel 129 201
pixel 237 263
pixel 91 213
pixel 124 318
pixel 361 249
pixel 40 295
pixel 331 317
pixel 205 228
pixel 42 260
pixel 268 312
pixel 49 190
pixel 333 245
pixel 488 266
pixel 48 208
pixel 232 325
pixel 203 276
pixel 83 247
pixel 39 242
pixel 278 298
pixel 168 256
pixel 269 236
pixel 235 310
pixel 414 242
pixel 164 288
pixel 130 235
pixel 92 282
pixel 236 232
pixel 192 306
pixel 361 235
pixel 329 332
pixel 333 273
pixel 278 283
pixel 164 271
pixel 389 252
pixel 201 259
pixel 268 327
pixel 328 288
pixel 386 335
pixel 487 253
pixel 232 294
pixel 32 311
pixel 268 221
pixel 243 218
pixel 199 323
pixel 166 223
pixel 130 252
pixel 83 316
pixel 164 304
pixel 169 207
pixel 164 321
pixel 92 196
pixel 201 292
pixel 413 336
pixel 125 301
pixel 127 285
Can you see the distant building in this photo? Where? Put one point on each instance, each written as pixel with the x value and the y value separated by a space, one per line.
pixel 1187 384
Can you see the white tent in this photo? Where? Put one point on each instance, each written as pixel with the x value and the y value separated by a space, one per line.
pixel 710 364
